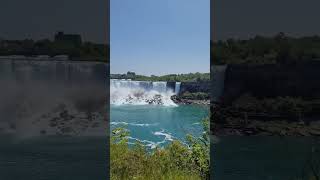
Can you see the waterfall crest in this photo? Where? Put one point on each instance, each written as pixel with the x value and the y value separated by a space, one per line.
pixel 140 93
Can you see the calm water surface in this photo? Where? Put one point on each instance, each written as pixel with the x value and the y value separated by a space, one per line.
pixel 264 158
pixel 53 158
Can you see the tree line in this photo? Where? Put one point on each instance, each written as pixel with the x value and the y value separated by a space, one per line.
pixel 266 50
pixel 190 77
pixel 29 47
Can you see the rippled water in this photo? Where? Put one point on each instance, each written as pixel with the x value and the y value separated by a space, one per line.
pixel 53 158
pixel 264 158
pixel 158 125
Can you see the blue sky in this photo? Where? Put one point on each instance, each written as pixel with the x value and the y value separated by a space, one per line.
pixel 160 36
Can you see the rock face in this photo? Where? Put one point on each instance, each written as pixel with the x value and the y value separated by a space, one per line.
pixel 179 100
pixel 269 82
pixel 299 80
pixel 217 77
pixel 194 87
pixel 157 100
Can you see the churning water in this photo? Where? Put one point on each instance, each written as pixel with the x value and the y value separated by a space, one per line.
pixel 156 125
pixel 141 92
pixel 147 111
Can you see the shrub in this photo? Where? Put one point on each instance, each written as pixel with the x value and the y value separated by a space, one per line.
pixel 174 161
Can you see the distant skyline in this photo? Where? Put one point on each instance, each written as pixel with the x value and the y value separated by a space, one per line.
pixel 41 19
pixel 247 18
pixel 157 37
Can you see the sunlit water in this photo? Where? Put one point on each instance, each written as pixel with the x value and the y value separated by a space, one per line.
pixel 155 125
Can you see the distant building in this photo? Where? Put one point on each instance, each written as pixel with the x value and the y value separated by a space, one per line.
pixel 68 38
pixel 129 73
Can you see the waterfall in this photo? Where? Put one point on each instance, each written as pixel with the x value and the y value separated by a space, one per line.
pixel 161 87
pixel 177 88
pixel 140 93
pixel 26 71
pixel 35 92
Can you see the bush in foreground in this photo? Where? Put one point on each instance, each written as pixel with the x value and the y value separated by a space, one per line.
pixel 175 161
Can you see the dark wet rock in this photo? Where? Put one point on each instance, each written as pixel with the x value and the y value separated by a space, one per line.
pixel 315 132
pixel 43 132
pixel 66 116
pixel 156 100
pixel 203 86
pixel 179 100
pixel 129 99
pixel 69 121
pixel 274 128
pixel 96 124
pixel 66 130
pixel 13 126
pixel 53 123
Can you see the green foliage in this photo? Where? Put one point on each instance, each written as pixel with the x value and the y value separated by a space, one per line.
pixel 84 51
pixel 175 161
pixel 265 50
pixel 191 77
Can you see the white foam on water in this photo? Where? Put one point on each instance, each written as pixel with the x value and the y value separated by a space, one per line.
pixel 142 141
pixel 151 144
pixel 124 92
pixel 133 124
pixel 168 137
pixel 146 143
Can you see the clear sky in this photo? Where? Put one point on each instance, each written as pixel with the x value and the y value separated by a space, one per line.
pixel 160 36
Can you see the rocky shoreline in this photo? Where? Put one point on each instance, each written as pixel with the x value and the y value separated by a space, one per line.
pixel 274 128
pixel 180 100
pixel 248 115
pixel 228 121
pixel 269 99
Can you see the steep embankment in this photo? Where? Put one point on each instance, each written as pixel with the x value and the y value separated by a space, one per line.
pixel 299 80
pixel 193 93
pixel 270 99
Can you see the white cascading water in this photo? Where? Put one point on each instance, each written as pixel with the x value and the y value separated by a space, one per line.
pixel 25 103
pixel 140 93
pixel 177 88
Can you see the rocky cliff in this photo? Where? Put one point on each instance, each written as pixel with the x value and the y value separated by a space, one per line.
pixel 297 80
pixel 194 87
pixel 269 99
